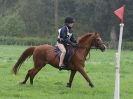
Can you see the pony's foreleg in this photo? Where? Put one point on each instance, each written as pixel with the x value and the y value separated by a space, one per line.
pixel 69 84
pixel 83 73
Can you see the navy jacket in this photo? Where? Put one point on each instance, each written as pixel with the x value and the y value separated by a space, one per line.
pixel 64 36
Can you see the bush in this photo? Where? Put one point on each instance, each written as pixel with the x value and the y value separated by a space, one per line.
pixel 127 45
pixel 11 25
pixel 25 41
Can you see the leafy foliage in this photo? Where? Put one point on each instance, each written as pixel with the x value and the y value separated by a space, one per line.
pixel 12 25
pixel 37 17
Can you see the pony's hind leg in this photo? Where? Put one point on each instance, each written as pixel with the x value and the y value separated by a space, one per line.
pixel 25 80
pixel 33 72
pixel 27 76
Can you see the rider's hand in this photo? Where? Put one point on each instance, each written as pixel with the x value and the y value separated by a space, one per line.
pixel 75 44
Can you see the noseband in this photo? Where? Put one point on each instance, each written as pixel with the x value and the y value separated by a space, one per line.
pixel 97 44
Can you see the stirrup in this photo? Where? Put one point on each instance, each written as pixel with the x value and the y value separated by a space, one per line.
pixel 62 67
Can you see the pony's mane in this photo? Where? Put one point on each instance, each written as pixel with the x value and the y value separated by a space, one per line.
pixel 84 37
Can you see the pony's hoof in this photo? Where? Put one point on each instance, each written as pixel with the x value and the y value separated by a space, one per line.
pixel 91 85
pixel 22 83
pixel 68 85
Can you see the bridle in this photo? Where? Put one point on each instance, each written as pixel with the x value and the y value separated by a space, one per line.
pixel 95 45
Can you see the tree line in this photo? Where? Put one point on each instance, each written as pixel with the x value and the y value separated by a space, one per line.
pixel 42 18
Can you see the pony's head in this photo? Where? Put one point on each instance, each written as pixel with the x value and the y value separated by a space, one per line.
pixel 97 42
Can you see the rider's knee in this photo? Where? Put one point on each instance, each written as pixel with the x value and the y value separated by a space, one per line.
pixel 64 51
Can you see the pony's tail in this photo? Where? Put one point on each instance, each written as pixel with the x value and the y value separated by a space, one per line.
pixel 27 53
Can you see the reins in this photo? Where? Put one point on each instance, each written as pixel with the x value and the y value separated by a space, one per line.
pixel 86 48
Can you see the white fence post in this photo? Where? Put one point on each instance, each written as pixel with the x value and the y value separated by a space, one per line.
pixel 118 55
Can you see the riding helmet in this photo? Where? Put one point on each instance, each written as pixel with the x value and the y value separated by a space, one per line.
pixel 69 20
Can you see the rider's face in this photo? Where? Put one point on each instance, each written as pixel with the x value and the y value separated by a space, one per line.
pixel 71 24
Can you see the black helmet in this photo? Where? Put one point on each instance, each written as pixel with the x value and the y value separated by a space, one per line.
pixel 69 20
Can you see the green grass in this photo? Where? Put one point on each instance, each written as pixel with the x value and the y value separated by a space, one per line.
pixel 50 83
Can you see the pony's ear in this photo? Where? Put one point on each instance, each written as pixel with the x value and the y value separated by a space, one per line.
pixel 96 33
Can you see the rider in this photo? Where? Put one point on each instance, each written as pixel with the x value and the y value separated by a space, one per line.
pixel 65 37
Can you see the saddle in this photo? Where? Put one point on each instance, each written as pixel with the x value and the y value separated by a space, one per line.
pixel 68 56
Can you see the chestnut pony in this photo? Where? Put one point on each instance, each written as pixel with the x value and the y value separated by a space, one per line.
pixel 45 54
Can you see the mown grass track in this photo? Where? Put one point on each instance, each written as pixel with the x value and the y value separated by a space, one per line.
pixel 50 83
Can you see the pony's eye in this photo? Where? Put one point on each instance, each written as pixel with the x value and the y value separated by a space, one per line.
pixel 98 40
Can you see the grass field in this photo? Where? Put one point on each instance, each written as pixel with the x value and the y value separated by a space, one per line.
pixel 50 83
